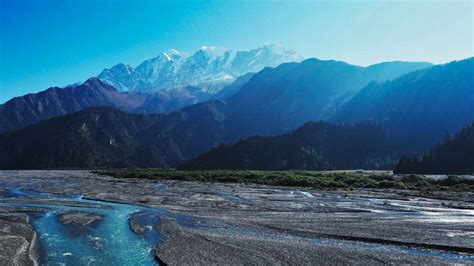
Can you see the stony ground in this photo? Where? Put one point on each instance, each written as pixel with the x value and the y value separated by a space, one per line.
pixel 17 240
pixel 255 224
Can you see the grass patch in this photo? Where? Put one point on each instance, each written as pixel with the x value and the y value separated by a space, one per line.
pixel 324 181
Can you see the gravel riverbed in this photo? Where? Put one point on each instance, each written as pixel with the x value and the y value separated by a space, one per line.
pixel 197 223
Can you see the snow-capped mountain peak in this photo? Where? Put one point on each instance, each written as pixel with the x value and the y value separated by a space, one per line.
pixel 209 68
pixel 274 47
pixel 173 54
pixel 167 56
pixel 213 52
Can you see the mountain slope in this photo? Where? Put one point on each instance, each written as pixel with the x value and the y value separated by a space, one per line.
pixel 106 137
pixel 390 70
pixel 279 99
pixel 171 100
pixel 32 108
pixel 185 133
pixel 455 156
pixel 209 68
pixel 314 146
pixel 233 88
pixel 419 107
pixel 98 137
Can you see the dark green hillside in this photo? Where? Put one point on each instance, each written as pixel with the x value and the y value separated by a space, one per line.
pixel 455 156
pixel 98 137
pixel 314 146
pixel 105 137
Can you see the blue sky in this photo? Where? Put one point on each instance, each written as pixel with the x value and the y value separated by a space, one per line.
pixel 58 42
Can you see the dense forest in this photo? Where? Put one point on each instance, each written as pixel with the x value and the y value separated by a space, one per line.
pixel 314 146
pixel 454 156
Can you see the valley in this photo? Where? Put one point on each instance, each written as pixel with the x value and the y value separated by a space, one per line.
pixel 70 216
pixel 236 132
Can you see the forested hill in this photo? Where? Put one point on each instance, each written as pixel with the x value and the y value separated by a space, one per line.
pixel 455 156
pixel 314 146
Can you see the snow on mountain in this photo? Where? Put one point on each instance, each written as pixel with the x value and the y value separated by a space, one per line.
pixel 209 68
pixel 121 76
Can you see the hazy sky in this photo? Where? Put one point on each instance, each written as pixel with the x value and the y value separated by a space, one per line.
pixel 45 43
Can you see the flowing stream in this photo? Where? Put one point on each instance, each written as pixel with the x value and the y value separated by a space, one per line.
pixel 110 242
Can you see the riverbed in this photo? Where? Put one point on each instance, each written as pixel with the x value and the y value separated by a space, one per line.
pixel 80 218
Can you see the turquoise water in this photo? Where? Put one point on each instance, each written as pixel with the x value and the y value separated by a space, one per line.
pixel 110 242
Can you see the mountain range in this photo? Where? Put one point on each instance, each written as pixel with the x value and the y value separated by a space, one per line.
pixel 277 100
pixel 136 90
pixel 209 68
pixel 410 105
pixel 415 110
pixel 420 108
pixel 32 108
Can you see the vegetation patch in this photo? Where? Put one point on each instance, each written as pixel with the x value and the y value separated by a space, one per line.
pixel 318 180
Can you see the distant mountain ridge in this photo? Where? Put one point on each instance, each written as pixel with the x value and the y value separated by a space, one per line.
pixel 277 100
pixel 32 108
pixel 419 107
pixel 209 68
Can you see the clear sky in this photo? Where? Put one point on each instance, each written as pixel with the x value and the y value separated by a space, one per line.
pixel 47 43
